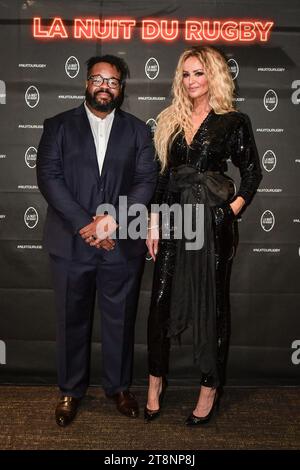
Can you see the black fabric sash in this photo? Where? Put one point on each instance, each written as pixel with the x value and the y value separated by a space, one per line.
pixel 193 298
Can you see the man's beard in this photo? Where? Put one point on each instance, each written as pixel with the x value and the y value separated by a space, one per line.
pixel 115 102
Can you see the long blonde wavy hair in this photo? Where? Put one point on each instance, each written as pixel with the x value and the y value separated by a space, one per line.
pixel 178 116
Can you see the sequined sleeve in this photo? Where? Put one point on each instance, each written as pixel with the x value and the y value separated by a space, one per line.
pixel 243 153
pixel 161 187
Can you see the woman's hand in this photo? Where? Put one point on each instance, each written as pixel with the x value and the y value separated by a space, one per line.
pixel 237 205
pixel 152 242
pixel 153 235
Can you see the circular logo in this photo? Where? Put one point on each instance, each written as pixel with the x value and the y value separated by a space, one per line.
pixel 152 68
pixel 270 100
pixel 30 157
pixel 32 96
pixel 31 217
pixel 267 221
pixel 152 124
pixel 233 67
pixel 72 67
pixel 269 160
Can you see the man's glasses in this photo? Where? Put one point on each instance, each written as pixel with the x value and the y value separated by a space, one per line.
pixel 98 80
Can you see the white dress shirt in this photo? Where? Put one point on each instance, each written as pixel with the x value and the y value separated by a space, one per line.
pixel 101 131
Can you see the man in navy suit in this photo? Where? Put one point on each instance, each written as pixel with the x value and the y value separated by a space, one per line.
pixel 90 156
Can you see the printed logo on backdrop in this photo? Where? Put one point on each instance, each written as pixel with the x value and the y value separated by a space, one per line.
pixel 264 249
pixel 31 217
pixel 72 67
pixel 295 357
pixel 271 69
pixel 234 68
pixel 30 157
pixel 269 160
pixel 270 100
pixel 267 221
pixel 32 96
pixel 152 124
pixel 296 95
pixel 33 66
pixel 2 92
pixel 152 68
pixel 2 352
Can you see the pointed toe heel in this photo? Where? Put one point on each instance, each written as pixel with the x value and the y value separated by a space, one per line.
pixel 193 420
pixel 151 415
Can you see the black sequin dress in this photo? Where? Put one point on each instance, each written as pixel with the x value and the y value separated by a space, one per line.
pixel 191 288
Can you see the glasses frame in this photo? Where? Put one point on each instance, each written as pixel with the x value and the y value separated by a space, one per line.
pixel 107 80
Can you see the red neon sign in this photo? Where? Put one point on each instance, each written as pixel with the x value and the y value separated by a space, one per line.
pixel 103 29
pixel 231 30
pixel 56 28
pixel 162 29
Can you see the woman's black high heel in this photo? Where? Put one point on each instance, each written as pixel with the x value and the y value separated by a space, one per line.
pixel 193 420
pixel 150 415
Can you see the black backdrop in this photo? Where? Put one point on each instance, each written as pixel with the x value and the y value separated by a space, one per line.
pixel 42 76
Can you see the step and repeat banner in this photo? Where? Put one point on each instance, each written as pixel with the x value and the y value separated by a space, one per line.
pixel 44 47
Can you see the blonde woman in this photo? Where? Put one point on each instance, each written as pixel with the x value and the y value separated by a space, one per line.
pixel 194 138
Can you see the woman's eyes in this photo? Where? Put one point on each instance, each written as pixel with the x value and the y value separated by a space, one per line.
pixel 196 74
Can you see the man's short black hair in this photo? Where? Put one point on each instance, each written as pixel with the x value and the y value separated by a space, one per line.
pixel 118 62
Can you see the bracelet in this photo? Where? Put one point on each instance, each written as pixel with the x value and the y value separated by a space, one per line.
pixel 153 226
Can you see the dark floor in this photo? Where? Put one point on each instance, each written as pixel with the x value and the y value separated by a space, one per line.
pixel 249 418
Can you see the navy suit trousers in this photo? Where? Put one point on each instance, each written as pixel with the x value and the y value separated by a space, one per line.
pixel 117 285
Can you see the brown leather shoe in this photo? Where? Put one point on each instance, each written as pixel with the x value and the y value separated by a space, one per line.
pixel 126 403
pixel 66 410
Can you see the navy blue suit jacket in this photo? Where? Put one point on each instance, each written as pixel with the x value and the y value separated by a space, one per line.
pixel 69 179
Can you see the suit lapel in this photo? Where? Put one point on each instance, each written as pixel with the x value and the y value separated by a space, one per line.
pixel 114 139
pixel 86 137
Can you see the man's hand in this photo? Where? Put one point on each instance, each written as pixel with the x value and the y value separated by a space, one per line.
pixel 108 244
pixel 105 226
pixel 97 233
